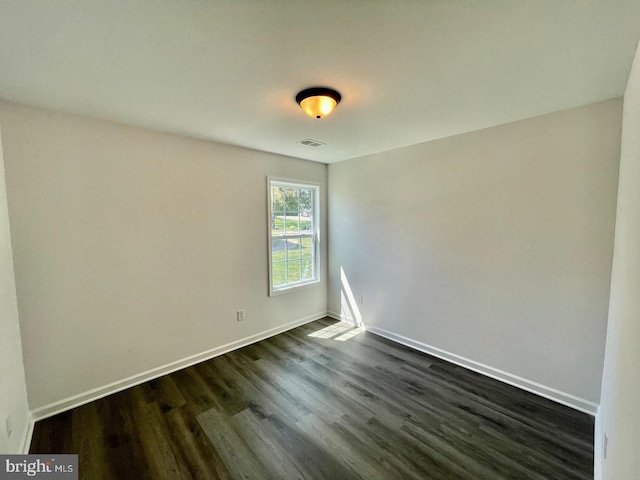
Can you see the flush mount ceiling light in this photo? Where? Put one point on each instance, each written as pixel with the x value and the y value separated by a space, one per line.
pixel 318 102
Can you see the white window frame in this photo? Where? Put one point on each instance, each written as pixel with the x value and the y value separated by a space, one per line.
pixel 315 188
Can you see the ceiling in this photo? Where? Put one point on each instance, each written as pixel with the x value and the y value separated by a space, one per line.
pixel 409 71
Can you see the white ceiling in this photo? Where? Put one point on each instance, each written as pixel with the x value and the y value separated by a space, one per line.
pixel 409 71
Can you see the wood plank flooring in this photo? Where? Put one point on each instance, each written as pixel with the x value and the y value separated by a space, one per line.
pixel 297 406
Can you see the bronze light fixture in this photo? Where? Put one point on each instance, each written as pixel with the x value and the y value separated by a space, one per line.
pixel 318 102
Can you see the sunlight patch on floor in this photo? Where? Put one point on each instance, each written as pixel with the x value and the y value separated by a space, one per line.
pixel 351 334
pixel 341 331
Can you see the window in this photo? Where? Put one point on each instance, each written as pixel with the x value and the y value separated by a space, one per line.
pixel 293 235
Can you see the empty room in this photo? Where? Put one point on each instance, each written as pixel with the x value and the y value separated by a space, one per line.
pixel 320 239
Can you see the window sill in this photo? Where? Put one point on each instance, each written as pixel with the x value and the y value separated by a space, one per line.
pixel 293 288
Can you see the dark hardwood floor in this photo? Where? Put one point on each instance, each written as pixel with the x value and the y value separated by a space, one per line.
pixel 300 406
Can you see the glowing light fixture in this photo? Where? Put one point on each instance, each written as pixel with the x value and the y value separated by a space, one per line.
pixel 318 102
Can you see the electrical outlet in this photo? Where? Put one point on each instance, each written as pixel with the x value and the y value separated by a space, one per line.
pixel 606 444
pixel 8 428
pixel 359 300
pixel 240 315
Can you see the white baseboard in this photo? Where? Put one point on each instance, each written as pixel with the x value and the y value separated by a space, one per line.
pixel 343 318
pixel 567 399
pixel 25 443
pixel 339 316
pixel 100 392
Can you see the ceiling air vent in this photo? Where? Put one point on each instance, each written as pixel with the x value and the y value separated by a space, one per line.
pixel 311 143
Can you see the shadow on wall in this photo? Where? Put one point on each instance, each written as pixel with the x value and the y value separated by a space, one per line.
pixel 351 323
pixel 349 310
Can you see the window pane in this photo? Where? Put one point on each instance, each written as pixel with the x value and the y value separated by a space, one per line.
pixel 293 271
pixel 293 223
pixel 293 249
pixel 279 273
pixel 278 250
pixel 306 200
pixel 306 222
pixel 307 269
pixel 291 199
pixel 306 247
pixel 277 198
pixel 277 223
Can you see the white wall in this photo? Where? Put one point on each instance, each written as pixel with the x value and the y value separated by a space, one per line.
pixel 495 245
pixel 620 407
pixel 134 249
pixel 13 391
